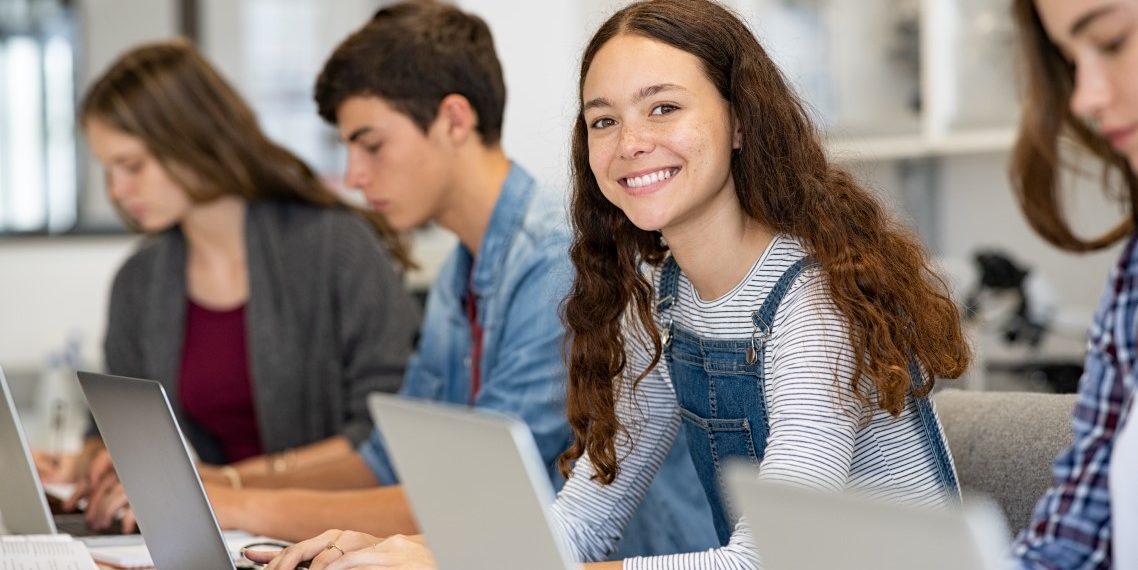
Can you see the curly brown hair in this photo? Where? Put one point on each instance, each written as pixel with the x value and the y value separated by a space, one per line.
pixel 1047 117
pixel 877 271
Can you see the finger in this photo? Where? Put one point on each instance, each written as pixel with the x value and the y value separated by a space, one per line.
pixel 290 557
pixel 114 502
pixel 129 523
pixel 351 540
pixel 80 492
pixel 100 467
pixel 96 497
pixel 331 553
pixel 366 559
pixel 261 556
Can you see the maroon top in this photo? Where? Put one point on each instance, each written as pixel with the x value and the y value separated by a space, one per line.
pixel 475 340
pixel 214 385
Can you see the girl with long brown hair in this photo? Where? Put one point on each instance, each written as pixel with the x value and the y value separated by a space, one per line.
pixel 266 308
pixel 1081 62
pixel 732 282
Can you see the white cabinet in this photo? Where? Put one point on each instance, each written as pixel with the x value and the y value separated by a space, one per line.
pixel 894 79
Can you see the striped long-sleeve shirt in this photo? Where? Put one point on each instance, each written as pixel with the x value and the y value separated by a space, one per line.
pixel 821 436
pixel 1071 526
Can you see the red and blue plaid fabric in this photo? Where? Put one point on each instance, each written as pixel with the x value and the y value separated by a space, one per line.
pixel 1071 526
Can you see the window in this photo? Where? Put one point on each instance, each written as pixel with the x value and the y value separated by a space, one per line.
pixel 38 162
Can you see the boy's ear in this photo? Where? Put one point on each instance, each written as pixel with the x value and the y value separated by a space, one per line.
pixel 457 118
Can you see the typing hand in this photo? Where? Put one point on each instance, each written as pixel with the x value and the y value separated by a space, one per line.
pixel 106 500
pixel 341 550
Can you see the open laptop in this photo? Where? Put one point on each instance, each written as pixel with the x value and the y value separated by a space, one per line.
pixel 476 483
pixel 23 506
pixel 861 533
pixel 153 463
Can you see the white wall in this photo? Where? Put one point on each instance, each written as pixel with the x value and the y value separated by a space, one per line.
pixel 52 288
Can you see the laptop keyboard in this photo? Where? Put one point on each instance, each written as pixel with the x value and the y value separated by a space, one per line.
pixel 75 525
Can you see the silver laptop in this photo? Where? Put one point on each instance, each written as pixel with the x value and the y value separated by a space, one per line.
pixel 476 483
pixel 23 506
pixel 153 462
pixel 864 534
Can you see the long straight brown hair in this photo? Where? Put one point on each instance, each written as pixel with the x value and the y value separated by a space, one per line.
pixel 877 272
pixel 205 135
pixel 1049 81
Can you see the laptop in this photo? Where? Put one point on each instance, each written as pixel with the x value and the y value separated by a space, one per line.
pixel 476 483
pixel 862 533
pixel 153 463
pixel 23 506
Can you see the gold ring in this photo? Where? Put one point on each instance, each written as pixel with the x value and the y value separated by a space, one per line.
pixel 334 545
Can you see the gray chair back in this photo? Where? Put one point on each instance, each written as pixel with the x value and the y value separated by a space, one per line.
pixel 1003 444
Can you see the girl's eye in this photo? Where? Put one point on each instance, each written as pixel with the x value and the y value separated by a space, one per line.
pixel 372 148
pixel 602 123
pixel 133 168
pixel 1116 45
pixel 663 109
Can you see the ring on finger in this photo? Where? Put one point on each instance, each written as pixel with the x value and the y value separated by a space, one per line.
pixel 337 547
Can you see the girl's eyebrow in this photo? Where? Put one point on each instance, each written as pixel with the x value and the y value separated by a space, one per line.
pixel 1087 19
pixel 644 93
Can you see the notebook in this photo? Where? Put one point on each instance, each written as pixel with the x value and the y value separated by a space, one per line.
pixel 44 552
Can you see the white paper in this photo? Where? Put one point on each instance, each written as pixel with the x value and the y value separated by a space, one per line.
pixel 44 552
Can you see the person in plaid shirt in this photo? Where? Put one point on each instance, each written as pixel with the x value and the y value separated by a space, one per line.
pixel 1082 72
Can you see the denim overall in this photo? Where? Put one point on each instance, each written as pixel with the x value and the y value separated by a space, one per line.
pixel 719 388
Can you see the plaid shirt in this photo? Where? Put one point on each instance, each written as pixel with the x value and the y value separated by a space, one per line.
pixel 1071 526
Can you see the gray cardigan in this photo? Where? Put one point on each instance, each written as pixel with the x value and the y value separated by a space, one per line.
pixel 327 322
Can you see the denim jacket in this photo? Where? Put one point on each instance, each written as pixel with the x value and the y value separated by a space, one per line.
pixel 520 277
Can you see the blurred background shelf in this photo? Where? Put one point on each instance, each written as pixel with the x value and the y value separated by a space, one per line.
pixel 886 148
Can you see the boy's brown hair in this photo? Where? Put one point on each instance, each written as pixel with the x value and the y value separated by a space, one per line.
pixel 412 55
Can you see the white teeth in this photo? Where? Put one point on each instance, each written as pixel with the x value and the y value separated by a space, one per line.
pixel 650 178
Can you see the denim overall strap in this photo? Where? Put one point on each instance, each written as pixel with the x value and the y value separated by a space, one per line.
pixel 764 317
pixel 933 432
pixel 720 391
pixel 669 285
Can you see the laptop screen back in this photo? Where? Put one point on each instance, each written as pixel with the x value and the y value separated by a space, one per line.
pixel 153 463
pixel 23 508
pixel 476 483
pixel 798 528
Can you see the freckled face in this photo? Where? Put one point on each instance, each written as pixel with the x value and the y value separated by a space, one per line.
pixel 660 135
